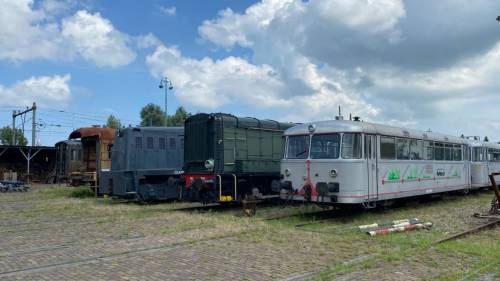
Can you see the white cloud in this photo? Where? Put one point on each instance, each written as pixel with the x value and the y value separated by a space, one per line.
pixel 210 84
pixel 169 11
pixel 21 30
pixel 426 64
pixel 28 32
pixel 95 39
pixel 44 90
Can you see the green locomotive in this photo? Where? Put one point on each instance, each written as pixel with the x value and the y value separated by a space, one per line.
pixel 227 158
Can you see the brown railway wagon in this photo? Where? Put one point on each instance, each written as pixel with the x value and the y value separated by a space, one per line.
pixel 96 146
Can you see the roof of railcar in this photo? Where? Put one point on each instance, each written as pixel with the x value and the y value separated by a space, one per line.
pixel 330 126
pixel 107 134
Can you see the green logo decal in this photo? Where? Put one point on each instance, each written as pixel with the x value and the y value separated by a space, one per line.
pixel 393 174
pixel 456 173
pixel 413 174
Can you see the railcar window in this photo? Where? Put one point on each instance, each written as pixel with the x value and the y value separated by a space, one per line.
pixel 162 143
pixel 428 150
pixel 478 155
pixel 138 142
pixel 416 148
pixel 439 151
pixel 448 152
pixel 298 147
pixel 325 146
pixel 351 146
pixel 150 142
pixel 73 155
pixel 403 147
pixel 495 155
pixel 457 152
pixel 387 148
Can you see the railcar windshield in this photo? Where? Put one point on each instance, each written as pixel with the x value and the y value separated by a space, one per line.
pixel 325 146
pixel 297 147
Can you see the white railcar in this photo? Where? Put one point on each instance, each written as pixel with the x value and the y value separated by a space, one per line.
pixel 485 160
pixel 352 162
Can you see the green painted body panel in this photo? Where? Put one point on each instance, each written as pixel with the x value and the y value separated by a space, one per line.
pixel 237 145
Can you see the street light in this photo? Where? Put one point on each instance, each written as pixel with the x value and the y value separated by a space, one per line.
pixel 167 84
pixel 498 18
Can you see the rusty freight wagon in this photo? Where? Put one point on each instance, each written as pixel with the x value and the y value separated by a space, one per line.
pixel 69 159
pixel 96 154
pixel 228 158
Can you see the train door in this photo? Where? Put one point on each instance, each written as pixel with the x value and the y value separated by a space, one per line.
pixel 371 166
pixel 467 158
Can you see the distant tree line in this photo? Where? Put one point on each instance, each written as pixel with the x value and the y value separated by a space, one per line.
pixel 154 115
pixel 6 136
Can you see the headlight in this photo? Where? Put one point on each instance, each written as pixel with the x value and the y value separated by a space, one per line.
pixel 333 173
pixel 209 164
pixel 287 172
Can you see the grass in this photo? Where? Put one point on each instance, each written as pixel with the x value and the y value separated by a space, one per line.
pixel 330 249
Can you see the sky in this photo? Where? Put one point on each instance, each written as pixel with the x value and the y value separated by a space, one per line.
pixel 420 64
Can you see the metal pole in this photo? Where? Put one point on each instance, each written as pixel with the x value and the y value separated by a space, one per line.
pixel 29 160
pixel 33 129
pixel 13 127
pixel 166 114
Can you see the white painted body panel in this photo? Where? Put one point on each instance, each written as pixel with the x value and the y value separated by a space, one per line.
pixel 394 178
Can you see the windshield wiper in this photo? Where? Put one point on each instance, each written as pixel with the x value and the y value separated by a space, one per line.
pixel 297 155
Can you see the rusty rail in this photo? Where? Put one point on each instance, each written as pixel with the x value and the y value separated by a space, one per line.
pixel 490 224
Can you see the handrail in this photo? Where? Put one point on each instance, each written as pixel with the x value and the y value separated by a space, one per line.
pixel 220 186
pixel 235 186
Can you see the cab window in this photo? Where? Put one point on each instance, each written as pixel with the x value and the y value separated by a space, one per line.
pixel 297 147
pixel 351 146
pixel 325 146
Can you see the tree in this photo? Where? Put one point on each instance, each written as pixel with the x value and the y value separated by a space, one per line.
pixel 6 136
pixel 152 115
pixel 179 117
pixel 113 122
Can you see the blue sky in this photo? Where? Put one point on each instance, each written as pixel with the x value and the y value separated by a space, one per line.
pixel 427 65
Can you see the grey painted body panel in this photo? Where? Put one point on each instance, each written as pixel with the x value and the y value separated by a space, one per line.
pixel 146 163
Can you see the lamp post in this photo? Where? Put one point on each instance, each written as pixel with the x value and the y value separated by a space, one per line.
pixel 167 84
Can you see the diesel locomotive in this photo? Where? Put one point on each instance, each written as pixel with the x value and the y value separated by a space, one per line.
pixel 146 164
pixel 227 158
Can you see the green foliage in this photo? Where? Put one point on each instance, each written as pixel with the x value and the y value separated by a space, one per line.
pixel 177 120
pixel 152 115
pixel 6 136
pixel 113 122
pixel 69 192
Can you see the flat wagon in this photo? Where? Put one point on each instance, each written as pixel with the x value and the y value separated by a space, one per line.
pixel 146 164
pixel 227 158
